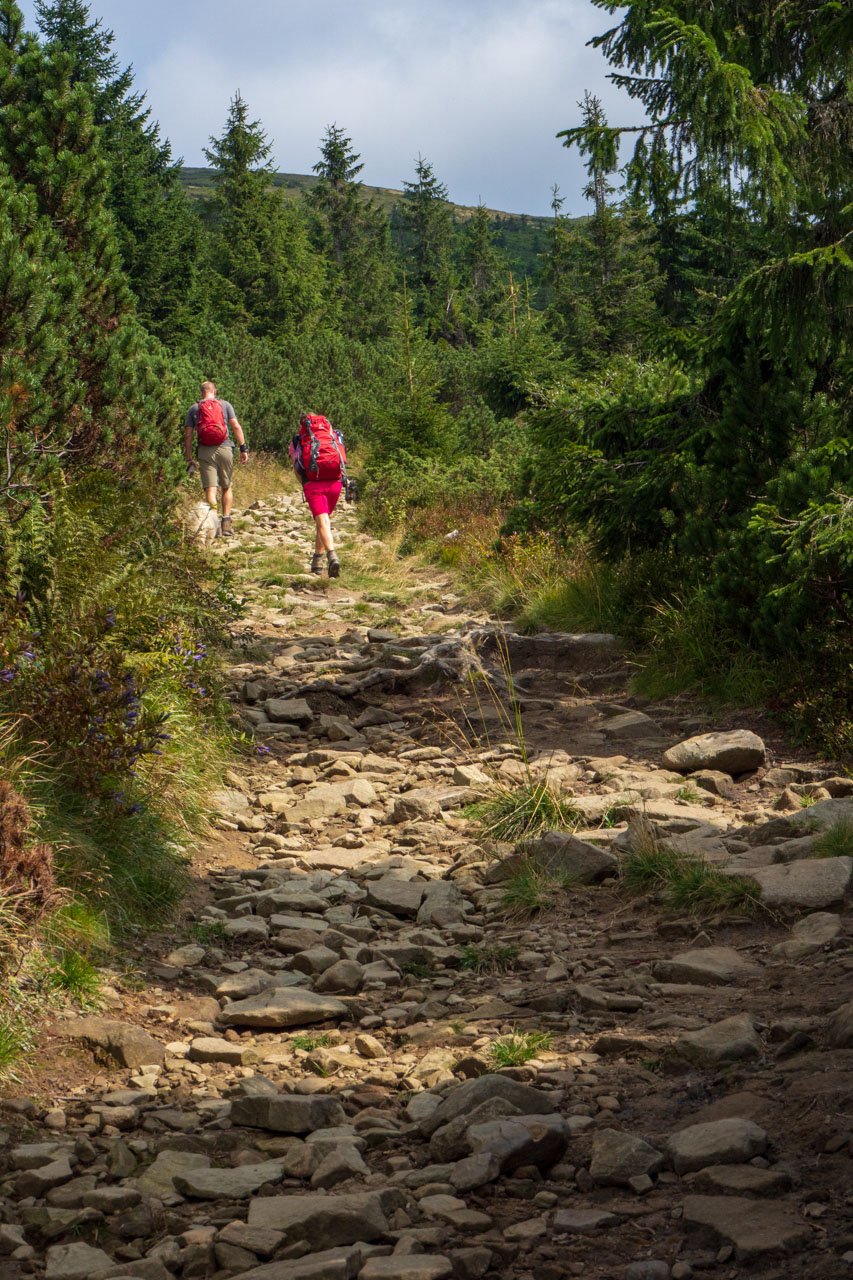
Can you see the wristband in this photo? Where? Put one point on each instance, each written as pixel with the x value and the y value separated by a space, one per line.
pixel 244 448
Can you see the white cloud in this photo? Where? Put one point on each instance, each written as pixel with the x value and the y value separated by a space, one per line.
pixel 479 87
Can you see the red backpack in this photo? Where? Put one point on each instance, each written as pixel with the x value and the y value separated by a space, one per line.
pixel 211 426
pixel 319 449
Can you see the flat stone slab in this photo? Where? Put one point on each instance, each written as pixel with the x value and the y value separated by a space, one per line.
pixel 228 1184
pixel 809 883
pixel 399 896
pixel 127 1044
pixel 288 711
pixel 77 1261
pixel 322 1220
pixel 158 1178
pixel 282 1007
pixel 708 966
pixel 584 1222
pixel 463 1099
pixel 729 1141
pixel 329 1264
pixel 752 1226
pixel 413 1266
pixel 730 1040
pixel 617 1157
pixel 740 1180
pixel 288 1113
pixel 587 863
pixel 809 935
pixel 732 752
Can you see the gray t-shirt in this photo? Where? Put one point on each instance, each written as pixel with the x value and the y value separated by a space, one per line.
pixel 192 421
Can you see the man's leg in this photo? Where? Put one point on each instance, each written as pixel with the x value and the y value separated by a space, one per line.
pixel 210 495
pixel 225 463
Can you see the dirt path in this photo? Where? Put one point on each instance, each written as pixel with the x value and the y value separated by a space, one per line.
pixel 305 1079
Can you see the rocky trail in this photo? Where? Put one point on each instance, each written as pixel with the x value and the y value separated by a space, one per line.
pixel 320 1075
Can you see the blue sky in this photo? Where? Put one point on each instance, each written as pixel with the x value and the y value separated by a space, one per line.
pixel 478 87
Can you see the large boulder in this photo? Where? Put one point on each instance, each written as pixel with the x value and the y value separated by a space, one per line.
pixel 733 752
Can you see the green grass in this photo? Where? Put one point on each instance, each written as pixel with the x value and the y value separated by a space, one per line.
pixel 689 793
pixel 518 1047
pixel 687 884
pixel 417 969
pixel 303 1040
pixel 523 812
pixel 532 890
pixel 836 841
pixel 206 931
pixel 488 958
pixel 73 975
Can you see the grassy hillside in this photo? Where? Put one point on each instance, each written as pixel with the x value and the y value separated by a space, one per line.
pixel 522 236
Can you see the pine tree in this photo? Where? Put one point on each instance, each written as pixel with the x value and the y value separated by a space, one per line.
pixel 261 245
pixel 353 235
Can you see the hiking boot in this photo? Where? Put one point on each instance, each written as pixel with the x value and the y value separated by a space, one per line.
pixel 225 529
pixel 317 562
pixel 334 565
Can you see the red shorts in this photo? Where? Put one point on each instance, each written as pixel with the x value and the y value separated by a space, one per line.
pixel 322 496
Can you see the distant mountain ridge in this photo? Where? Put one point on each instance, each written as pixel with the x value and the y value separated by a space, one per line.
pixel 199 182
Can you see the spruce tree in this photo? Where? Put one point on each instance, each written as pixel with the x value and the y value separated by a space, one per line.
pixel 428 221
pixel 103 392
pixel 353 235
pixel 485 271
pixel 159 234
pixel 261 245
pixel 602 269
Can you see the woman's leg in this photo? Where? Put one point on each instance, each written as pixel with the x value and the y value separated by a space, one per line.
pixel 324 540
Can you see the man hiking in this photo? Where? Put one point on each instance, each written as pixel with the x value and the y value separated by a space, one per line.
pixel 212 420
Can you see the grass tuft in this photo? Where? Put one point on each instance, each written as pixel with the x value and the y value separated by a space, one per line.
pixel 686 884
pixel 532 890
pixel 836 841
pixel 303 1040
pixel 518 1047
pixel 488 958
pixel 523 812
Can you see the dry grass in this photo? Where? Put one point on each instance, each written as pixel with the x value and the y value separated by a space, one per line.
pixel 263 476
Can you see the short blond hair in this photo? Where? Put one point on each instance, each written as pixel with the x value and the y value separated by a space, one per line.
pixel 208 387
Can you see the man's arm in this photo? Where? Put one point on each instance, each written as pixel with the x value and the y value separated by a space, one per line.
pixel 240 438
pixel 188 442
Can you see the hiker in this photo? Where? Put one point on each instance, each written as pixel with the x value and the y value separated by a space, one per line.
pixel 212 420
pixel 320 462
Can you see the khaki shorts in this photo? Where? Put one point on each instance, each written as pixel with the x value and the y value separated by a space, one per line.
pixel 216 465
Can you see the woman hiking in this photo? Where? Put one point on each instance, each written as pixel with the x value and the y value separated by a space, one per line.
pixel 320 462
